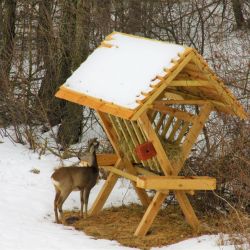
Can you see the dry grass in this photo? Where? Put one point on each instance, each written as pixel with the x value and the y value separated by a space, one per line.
pixel 119 223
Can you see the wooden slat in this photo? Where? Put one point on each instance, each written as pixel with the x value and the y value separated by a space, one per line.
pixel 192 135
pixel 154 159
pixel 184 129
pixel 92 102
pixel 127 139
pixel 106 159
pixel 105 191
pixel 113 137
pixel 174 130
pixel 179 66
pixel 223 92
pixel 121 173
pixel 187 210
pixel 141 140
pixel 176 183
pixel 167 126
pixel 159 106
pixel 152 136
pixel 190 83
pixel 150 214
pixel 159 122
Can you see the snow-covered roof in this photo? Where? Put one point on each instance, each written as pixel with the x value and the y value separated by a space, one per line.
pixel 119 73
pixel 126 72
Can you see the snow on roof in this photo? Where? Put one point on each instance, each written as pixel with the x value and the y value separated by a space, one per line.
pixel 119 70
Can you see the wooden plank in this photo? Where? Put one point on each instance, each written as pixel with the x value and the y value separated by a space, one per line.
pixel 142 194
pixel 174 130
pixel 189 83
pixel 141 140
pixel 120 173
pixel 223 91
pixel 150 214
pixel 152 136
pixel 192 135
pixel 159 106
pixel 187 209
pixel 127 139
pixel 92 102
pixel 153 161
pixel 167 126
pixel 159 122
pixel 180 65
pixel 113 137
pixel 182 133
pixel 106 159
pixel 105 191
pixel 176 182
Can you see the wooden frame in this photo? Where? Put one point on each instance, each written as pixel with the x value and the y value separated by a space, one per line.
pixel 188 82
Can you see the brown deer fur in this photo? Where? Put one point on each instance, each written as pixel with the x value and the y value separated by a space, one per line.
pixel 83 179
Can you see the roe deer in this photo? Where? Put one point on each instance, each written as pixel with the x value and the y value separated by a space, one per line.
pixel 83 179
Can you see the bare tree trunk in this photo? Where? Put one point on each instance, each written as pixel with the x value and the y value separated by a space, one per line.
pixel 7 41
pixel 237 9
pixel 75 32
pixel 47 48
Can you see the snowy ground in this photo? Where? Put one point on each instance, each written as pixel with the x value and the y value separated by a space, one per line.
pixel 26 207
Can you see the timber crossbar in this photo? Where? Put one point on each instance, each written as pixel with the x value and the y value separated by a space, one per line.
pixel 167 182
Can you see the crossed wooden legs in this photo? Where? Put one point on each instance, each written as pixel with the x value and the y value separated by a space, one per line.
pixel 123 163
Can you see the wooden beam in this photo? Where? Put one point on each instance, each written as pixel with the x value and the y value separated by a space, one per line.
pixel 185 58
pixel 152 136
pixel 120 173
pixel 113 137
pixel 193 135
pixel 150 214
pixel 105 191
pixel 92 102
pixel 222 90
pixel 106 159
pixel 160 106
pixel 187 209
pixel 176 182
pixel 189 83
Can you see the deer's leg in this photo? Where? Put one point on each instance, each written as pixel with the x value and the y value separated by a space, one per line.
pixel 55 205
pixel 86 199
pixel 82 202
pixel 60 202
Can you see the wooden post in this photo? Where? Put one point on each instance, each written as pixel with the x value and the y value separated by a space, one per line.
pixel 152 136
pixel 110 131
pixel 105 191
pixel 150 214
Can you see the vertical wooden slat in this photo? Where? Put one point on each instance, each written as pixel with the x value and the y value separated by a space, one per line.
pixel 184 129
pixel 165 164
pixel 133 137
pixel 192 135
pixel 159 123
pixel 174 130
pixel 127 138
pixel 153 161
pixel 167 126
pixel 141 140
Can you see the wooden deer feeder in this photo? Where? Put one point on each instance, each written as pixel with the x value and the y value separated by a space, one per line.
pixel 140 88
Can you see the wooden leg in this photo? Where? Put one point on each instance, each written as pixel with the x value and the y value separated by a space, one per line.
pixel 105 191
pixel 150 214
pixel 187 210
pixel 142 194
